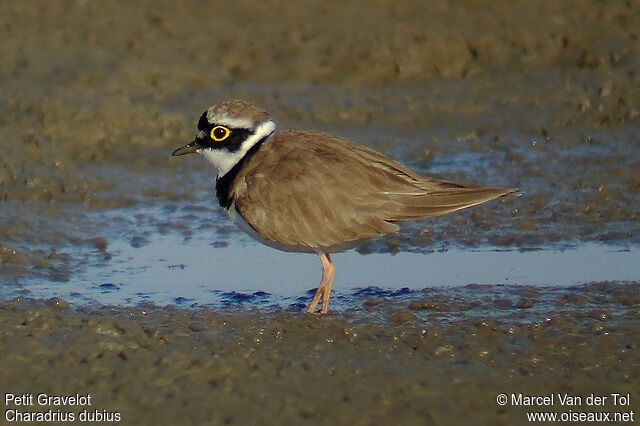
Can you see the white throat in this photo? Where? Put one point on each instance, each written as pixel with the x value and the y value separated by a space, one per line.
pixel 224 160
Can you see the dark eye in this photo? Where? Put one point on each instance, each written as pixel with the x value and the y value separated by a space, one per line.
pixel 220 133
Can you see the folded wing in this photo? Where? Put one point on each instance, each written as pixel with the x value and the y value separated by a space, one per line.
pixel 316 192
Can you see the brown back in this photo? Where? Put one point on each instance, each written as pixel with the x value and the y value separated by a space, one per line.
pixel 316 192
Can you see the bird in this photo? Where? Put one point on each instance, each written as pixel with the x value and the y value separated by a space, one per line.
pixel 311 192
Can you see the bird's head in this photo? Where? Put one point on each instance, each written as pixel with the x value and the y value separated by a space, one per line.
pixel 227 131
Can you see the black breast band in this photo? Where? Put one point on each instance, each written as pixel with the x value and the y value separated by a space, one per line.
pixel 223 183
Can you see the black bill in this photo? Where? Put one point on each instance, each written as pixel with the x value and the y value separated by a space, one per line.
pixel 189 148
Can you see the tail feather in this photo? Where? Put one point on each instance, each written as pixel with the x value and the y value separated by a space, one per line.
pixel 444 201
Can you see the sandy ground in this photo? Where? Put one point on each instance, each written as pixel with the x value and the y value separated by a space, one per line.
pixel 544 96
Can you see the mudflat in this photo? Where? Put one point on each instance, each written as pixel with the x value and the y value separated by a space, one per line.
pixel 432 359
pixel 543 96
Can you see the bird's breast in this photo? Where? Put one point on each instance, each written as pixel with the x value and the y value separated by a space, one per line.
pixel 242 223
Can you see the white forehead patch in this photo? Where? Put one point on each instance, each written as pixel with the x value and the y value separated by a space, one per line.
pixel 228 121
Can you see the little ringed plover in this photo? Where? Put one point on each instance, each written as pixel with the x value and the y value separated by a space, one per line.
pixel 314 192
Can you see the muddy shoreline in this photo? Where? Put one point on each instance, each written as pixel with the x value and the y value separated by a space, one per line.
pixel 542 96
pixel 374 365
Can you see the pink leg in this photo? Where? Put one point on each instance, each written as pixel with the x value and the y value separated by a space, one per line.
pixel 324 289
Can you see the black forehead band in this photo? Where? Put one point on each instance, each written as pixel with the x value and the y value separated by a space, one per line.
pixel 203 123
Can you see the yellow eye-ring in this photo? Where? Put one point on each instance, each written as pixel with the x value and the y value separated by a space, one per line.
pixel 220 133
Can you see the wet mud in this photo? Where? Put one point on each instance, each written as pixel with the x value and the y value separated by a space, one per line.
pixel 543 96
pixel 424 359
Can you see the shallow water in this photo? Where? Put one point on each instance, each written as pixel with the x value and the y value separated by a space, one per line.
pixel 196 270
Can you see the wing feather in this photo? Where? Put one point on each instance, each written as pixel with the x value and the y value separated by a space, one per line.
pixel 316 192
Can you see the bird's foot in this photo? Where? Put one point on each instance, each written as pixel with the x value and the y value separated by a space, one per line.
pixel 322 293
pixel 324 289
